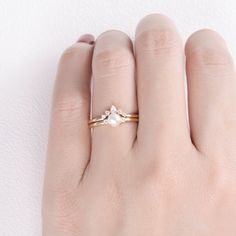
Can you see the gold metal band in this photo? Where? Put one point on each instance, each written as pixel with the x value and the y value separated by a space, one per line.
pixel 113 117
pixel 101 119
pixel 99 123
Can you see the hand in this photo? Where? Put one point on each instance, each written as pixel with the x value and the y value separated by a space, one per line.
pixel 154 177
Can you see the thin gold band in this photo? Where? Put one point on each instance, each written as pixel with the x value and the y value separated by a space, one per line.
pixel 101 119
pixel 99 123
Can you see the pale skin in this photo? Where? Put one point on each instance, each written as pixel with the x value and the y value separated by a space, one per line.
pixel 171 174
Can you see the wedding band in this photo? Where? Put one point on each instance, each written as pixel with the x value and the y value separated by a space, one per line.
pixel 114 117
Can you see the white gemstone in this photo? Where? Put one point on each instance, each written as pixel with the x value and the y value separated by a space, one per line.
pixel 114 119
pixel 113 108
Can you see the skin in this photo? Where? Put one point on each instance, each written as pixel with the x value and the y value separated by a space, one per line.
pixel 164 176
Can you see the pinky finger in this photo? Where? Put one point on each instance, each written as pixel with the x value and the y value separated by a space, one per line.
pixel 69 138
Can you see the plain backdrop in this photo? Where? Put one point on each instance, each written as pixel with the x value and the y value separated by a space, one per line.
pixel 33 34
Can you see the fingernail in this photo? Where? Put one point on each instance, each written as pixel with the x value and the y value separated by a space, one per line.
pixel 86 38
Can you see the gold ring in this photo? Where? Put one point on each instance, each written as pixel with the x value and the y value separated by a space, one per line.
pixel 114 117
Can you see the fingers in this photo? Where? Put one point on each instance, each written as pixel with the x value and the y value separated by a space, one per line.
pixel 212 93
pixel 113 84
pixel 161 98
pixel 69 139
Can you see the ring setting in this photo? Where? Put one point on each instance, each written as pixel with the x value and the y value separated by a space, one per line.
pixel 113 117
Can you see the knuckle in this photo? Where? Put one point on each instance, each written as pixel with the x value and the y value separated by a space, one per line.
pixel 61 197
pixel 149 183
pixel 210 57
pixel 59 206
pixel 212 61
pixel 165 40
pixel 159 178
pixel 220 181
pixel 112 60
pixel 167 168
pixel 74 52
pixel 113 192
pixel 69 107
pixel 71 52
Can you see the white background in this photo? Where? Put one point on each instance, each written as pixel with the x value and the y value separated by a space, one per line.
pixel 33 34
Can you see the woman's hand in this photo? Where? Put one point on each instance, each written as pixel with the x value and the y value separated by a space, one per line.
pixel 148 178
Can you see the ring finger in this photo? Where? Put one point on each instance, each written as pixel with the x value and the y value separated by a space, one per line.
pixel 113 84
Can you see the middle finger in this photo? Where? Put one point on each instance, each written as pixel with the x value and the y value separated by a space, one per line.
pixel 160 82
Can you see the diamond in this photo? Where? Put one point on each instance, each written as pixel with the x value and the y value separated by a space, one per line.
pixel 113 109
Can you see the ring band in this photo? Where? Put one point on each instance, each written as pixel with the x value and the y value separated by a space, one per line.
pixel 114 117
